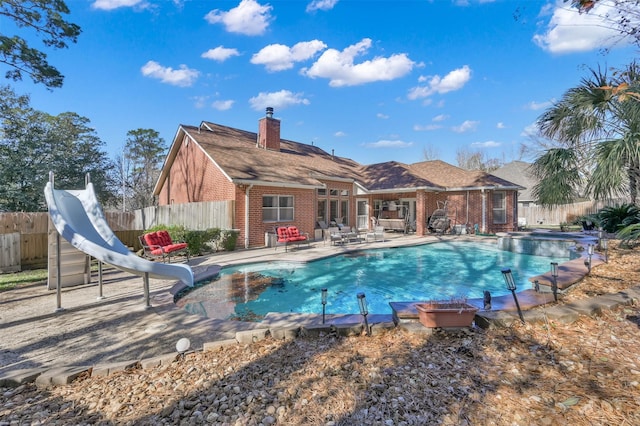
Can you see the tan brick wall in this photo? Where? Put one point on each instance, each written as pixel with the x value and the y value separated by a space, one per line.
pixel 303 216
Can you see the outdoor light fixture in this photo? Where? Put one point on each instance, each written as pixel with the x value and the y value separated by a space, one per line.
pixel 554 274
pixel 324 301
pixel 605 246
pixel 590 254
pixel 487 300
pixel 362 302
pixel 183 346
pixel 511 286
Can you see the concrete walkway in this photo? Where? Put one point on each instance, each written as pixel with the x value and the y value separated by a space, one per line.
pixel 40 343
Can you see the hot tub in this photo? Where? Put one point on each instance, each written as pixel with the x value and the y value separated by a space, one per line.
pixel 546 243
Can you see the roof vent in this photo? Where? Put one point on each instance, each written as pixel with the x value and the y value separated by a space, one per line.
pixel 269 112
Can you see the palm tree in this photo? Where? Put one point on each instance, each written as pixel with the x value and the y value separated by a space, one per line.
pixel 597 133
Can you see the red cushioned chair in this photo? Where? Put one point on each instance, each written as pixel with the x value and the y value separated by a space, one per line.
pixel 287 235
pixel 160 245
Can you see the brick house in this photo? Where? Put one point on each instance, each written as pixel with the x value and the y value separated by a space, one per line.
pixel 274 181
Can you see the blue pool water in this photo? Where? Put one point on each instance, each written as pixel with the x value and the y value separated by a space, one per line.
pixel 431 271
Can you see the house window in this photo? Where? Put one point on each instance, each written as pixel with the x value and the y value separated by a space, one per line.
pixel 322 192
pixel 321 212
pixel 277 208
pixel 499 207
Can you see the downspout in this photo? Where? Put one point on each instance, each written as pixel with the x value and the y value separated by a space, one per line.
pixel 484 211
pixel 246 216
pixel 467 223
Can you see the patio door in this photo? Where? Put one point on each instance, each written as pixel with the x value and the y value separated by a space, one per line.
pixel 362 213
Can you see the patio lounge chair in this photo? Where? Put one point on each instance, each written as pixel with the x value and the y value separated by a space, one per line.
pixel 335 236
pixel 377 234
pixel 290 235
pixel 439 222
pixel 160 245
pixel 325 228
pixel 339 222
pixel 353 235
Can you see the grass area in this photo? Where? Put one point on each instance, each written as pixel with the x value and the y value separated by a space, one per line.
pixel 16 279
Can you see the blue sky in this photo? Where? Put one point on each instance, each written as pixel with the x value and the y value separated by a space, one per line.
pixel 373 80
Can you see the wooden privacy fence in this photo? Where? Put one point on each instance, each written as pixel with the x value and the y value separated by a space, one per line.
pixel 23 236
pixel 536 215
pixel 10 252
pixel 193 216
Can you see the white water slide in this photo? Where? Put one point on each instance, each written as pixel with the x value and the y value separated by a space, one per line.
pixel 78 217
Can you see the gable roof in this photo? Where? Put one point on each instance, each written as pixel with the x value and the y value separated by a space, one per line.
pixel 520 173
pixel 237 154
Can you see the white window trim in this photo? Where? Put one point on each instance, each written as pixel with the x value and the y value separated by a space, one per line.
pixel 277 208
pixel 502 209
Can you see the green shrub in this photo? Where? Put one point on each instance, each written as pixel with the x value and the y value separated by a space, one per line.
pixel 613 218
pixel 629 235
pixel 229 239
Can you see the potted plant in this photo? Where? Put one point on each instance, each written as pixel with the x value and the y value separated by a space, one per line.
pixel 455 312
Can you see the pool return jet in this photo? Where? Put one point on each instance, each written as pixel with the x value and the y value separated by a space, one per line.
pixel 78 218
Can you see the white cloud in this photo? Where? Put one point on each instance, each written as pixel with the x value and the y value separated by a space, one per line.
pixel 426 128
pixel 440 117
pixel 382 116
pixel 530 130
pixel 183 77
pixel 200 101
pixel 466 126
pixel 339 134
pixel 455 80
pixel 115 4
pixel 222 105
pixel 487 144
pixel 389 144
pixel 248 18
pixel 570 31
pixel 220 53
pixel 278 100
pixel 500 125
pixel 340 69
pixel 321 5
pixel 535 106
pixel 278 57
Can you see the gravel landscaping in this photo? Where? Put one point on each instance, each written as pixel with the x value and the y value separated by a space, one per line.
pixel 547 373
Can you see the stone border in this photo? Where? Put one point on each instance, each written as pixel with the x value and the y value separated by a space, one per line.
pixel 565 314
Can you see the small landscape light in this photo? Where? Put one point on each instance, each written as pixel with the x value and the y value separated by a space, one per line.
pixel 487 300
pixel 590 254
pixel 324 301
pixel 554 275
pixel 183 346
pixel 364 311
pixel 511 286
pixel 605 247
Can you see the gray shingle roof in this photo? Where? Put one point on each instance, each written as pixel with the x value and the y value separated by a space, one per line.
pixel 519 172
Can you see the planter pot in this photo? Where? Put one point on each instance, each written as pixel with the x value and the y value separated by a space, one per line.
pixel 446 314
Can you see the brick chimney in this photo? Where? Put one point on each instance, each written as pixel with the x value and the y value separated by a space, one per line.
pixel 269 132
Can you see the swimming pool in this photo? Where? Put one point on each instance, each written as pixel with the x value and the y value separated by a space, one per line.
pixel 419 273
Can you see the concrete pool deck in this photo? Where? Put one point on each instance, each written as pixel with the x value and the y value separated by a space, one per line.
pixel 101 336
